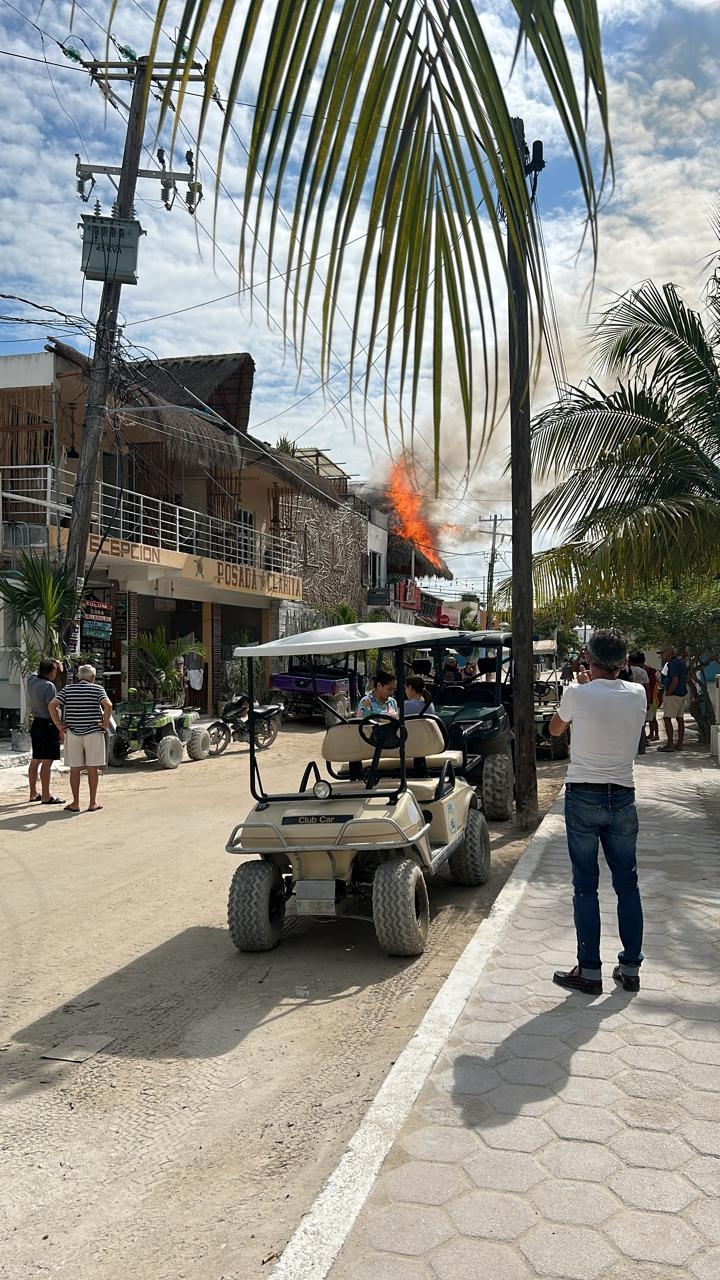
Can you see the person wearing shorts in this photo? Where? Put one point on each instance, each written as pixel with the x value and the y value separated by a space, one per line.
pixel 44 735
pixel 86 711
pixel 674 698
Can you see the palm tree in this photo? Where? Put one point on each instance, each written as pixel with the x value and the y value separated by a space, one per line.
pixel 637 467
pixel 158 658
pixel 388 120
pixel 38 596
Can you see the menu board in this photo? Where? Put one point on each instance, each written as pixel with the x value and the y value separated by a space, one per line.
pixel 97 621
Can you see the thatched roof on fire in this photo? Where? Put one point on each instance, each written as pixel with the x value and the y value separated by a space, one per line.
pixel 400 560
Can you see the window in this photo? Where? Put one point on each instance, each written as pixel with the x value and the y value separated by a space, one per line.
pixel 245 536
pixel 376 574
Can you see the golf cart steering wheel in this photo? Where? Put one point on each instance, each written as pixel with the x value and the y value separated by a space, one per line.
pixel 385 730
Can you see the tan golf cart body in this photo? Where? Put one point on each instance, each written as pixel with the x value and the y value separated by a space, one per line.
pixel 388 810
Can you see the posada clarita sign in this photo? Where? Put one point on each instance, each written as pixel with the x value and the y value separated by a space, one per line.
pixel 214 573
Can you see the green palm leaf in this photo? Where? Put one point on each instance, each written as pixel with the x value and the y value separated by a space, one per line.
pixel 410 134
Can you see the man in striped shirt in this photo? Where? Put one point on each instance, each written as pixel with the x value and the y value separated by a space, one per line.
pixel 86 710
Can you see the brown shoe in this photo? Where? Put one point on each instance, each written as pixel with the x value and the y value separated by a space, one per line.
pixel 630 982
pixel 574 981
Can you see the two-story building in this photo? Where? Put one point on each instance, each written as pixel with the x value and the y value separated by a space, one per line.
pixel 197 526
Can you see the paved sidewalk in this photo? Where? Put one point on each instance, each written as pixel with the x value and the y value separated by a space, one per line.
pixel 560 1135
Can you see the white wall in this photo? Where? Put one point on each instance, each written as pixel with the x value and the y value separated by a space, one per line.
pixel 36 370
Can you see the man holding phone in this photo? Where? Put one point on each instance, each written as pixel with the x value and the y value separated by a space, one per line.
pixel 607 715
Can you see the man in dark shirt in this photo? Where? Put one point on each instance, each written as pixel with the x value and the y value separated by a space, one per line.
pixel 44 735
pixel 674 698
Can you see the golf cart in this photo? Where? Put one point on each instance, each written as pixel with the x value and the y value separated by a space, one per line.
pixel 548 692
pixel 386 806
pixel 478 715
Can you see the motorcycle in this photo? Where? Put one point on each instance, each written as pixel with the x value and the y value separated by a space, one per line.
pixel 233 725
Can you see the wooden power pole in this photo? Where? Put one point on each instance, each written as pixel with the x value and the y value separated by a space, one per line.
pixel 526 796
pixel 105 339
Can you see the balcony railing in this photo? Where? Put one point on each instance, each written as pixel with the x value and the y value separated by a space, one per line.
pixel 33 497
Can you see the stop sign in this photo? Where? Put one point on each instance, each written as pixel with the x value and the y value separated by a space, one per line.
pixel 444 620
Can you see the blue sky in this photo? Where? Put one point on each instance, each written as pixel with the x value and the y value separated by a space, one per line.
pixel 663 69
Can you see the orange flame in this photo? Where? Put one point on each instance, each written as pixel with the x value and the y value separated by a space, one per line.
pixel 406 517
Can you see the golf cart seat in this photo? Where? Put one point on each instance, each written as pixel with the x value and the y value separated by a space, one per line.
pixel 425 745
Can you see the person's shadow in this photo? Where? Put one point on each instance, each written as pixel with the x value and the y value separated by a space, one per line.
pixel 530 1066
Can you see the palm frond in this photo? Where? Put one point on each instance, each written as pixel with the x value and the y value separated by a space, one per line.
pixel 409 132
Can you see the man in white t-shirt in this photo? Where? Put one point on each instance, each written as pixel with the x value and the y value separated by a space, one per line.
pixel 606 715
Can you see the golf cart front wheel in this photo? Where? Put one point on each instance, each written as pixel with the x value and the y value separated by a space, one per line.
pixel 256 906
pixel 470 864
pixel 400 907
pixel 497 787
pixel 169 752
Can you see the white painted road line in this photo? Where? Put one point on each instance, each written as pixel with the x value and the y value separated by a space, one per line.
pixel 321 1234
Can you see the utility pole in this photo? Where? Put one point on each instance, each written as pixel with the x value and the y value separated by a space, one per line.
pixel 526 796
pixel 96 410
pixel 105 339
pixel 491 576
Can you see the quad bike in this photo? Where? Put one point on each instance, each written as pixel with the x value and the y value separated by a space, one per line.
pixel 233 725
pixel 392 810
pixel 160 732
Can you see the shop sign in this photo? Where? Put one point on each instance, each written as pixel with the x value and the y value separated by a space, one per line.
pixel 97 622
pixel 215 573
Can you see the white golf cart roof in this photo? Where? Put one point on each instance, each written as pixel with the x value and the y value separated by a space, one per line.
pixel 352 637
pixel 544 646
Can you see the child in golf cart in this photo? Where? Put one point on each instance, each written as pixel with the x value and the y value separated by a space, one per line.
pixel 379 700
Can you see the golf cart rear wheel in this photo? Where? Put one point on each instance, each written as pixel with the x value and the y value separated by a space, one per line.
pixel 256 906
pixel 220 737
pixel 117 752
pixel 169 752
pixel 497 787
pixel 198 747
pixel 560 747
pixel 470 864
pixel 266 731
pixel 401 911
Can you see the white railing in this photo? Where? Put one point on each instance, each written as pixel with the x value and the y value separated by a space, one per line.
pixel 36 496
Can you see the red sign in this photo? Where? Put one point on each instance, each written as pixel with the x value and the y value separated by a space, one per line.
pixel 446 617
pixel 409 595
pixel 443 620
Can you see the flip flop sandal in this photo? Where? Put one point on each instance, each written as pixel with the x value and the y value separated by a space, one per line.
pixel 53 800
pixel 35 800
pixel 69 809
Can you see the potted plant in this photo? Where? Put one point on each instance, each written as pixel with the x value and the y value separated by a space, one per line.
pixel 159 664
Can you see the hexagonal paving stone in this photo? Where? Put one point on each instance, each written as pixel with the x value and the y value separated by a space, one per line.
pixel 538 1046
pixel 422 1183
pixel 440 1142
pixel 650 1084
pixel 705 1215
pixel 520 1099
pixel 495 1215
pixel 653 1237
pixel 463 1259
pixel 523 1133
pixel 627 1270
pixel 664 1037
pixel 643 1113
pixel 653 1189
pixel 700 1051
pixel 379 1266
pixel 587 1092
pixel 589 1124
pixel 650 1150
pixel 703 1135
pixel 468 1074
pixel 650 1058
pixel 586 1161
pixel 504 1170
pixel 707 1266
pixel 480 1032
pixel 574 1203
pixel 532 1071
pixel 597 1042
pixel 704 1172
pixel 576 1252
pixel 599 1066
pixel 409 1229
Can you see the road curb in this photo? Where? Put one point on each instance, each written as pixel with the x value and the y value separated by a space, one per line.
pixel 322 1232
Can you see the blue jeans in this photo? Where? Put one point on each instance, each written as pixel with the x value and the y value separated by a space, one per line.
pixel 608 818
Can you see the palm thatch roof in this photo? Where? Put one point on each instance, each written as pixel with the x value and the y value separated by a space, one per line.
pixel 400 560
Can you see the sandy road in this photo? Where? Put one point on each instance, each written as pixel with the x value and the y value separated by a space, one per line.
pixel 189 1147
